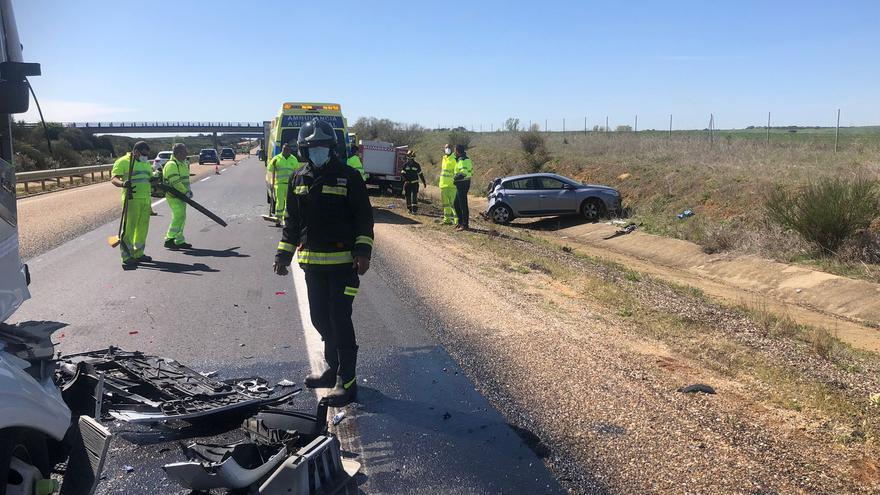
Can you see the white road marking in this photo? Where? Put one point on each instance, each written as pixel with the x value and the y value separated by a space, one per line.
pixel 223 170
pixel 158 202
pixel 314 345
pixel 206 178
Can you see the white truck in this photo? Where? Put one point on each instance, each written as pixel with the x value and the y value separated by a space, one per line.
pixel 382 163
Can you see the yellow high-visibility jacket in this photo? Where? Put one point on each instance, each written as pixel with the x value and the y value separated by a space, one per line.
pixel 447 171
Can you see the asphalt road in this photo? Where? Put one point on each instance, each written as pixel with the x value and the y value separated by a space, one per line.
pixel 419 426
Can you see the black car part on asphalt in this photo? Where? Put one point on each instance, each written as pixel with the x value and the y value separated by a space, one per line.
pixel 287 452
pixel 139 388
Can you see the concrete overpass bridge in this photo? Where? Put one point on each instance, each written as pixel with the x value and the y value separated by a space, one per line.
pixel 229 129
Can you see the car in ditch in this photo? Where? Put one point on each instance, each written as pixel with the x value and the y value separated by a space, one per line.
pixel 546 194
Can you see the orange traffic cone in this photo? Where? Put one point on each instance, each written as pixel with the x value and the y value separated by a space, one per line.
pixel 217 169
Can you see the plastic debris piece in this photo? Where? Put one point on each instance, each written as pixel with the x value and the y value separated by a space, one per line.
pixel 286 383
pixel 624 176
pixel 128 468
pixel 133 332
pixel 280 293
pixel 798 290
pixel 685 214
pixel 338 417
pixel 697 387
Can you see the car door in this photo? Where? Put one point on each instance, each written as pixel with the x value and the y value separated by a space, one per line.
pixel 522 196
pixel 556 196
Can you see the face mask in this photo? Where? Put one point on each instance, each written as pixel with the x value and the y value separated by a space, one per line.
pixel 448 151
pixel 142 158
pixel 319 156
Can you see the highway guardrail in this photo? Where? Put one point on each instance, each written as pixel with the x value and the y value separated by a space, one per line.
pixel 56 174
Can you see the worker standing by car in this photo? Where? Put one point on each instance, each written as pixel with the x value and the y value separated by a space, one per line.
pixel 132 173
pixel 412 174
pixel 330 230
pixel 354 161
pixel 464 170
pixel 282 166
pixel 175 174
pixel 447 186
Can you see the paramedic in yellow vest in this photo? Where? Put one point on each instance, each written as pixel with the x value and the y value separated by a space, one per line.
pixel 132 173
pixel 464 170
pixel 354 161
pixel 282 167
pixel 175 173
pixel 447 186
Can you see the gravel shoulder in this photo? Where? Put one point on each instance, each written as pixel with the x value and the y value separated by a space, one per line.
pixel 586 359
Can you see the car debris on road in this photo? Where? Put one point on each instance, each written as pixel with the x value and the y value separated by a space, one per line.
pixel 139 388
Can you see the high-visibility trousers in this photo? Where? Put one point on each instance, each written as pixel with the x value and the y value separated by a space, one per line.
pixel 447 199
pixel 178 221
pixel 281 200
pixel 137 224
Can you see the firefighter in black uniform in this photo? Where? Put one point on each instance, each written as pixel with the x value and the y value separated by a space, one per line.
pixel 412 173
pixel 330 231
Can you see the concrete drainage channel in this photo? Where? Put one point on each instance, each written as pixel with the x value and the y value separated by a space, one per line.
pixel 284 451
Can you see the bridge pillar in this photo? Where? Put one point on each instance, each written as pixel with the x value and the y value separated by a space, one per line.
pixel 215 140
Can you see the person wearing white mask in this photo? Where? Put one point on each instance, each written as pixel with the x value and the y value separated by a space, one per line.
pixel 447 186
pixel 132 173
pixel 329 229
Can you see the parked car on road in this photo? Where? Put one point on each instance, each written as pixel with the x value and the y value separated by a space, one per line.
pixel 227 154
pixel 161 158
pixel 542 195
pixel 208 155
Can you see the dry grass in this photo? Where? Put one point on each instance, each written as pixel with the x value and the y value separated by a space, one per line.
pixel 725 184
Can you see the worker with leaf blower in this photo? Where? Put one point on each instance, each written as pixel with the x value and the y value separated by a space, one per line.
pixel 282 166
pixel 132 173
pixel 175 173
pixel 330 231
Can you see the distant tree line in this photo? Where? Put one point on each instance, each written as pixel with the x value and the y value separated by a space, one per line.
pixel 71 147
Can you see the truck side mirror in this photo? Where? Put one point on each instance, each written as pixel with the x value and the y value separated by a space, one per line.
pixel 13 86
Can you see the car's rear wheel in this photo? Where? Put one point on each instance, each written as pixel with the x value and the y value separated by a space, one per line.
pixel 592 209
pixel 501 214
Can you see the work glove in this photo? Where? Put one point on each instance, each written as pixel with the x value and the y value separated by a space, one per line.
pixel 279 268
pixel 127 185
pixel 189 194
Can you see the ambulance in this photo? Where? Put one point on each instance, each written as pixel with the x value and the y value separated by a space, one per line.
pixel 284 128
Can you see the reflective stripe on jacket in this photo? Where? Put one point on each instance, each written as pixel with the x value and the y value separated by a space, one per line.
pixel 175 173
pixel 140 176
pixel 465 167
pixel 284 168
pixel 447 171
pixel 330 218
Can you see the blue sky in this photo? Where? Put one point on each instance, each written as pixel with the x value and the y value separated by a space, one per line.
pixel 459 63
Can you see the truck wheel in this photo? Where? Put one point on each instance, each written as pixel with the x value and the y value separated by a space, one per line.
pixel 501 214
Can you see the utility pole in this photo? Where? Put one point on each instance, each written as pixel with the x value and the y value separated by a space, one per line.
pixel 837 132
pixel 768 129
pixel 585 125
pixel 670 127
pixel 545 125
pixel 711 129
pixel 636 128
pixel 606 126
pixel 563 126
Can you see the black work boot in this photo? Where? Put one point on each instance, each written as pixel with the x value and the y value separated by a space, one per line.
pixel 326 378
pixel 345 390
